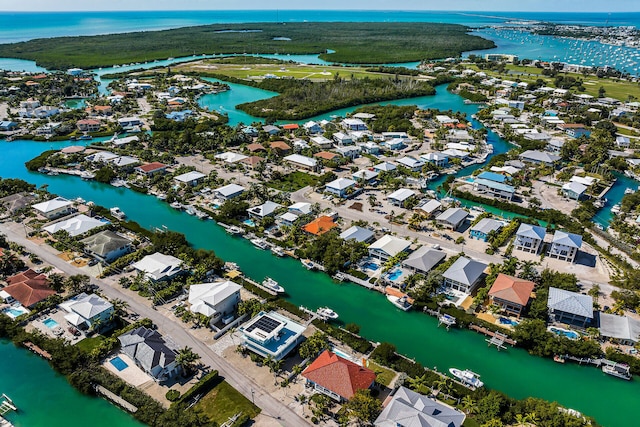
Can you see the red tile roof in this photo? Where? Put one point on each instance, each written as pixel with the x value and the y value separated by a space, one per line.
pixel 150 167
pixel 339 375
pixel 280 145
pixel 29 287
pixel 291 126
pixel 320 225
pixel 255 147
pixel 327 155
pixel 512 289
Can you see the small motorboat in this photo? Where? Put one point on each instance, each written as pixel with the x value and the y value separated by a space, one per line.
pixel 468 378
pixel 271 284
pixel 277 251
pixel 325 313
pixel 234 231
pixel 259 243
pixel 401 302
pixel 176 205
pixel 117 212
pixel 308 264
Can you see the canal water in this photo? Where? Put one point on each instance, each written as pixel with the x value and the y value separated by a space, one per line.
pixel 513 371
pixel 45 399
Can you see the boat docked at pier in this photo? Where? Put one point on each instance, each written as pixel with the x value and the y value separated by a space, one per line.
pixel 271 284
pixel 117 212
pixel 325 313
pixel 467 377
pixel 308 264
pixel 259 243
pixel 616 209
pixel 398 298
pixel 176 205
pixel 277 251
pixel 618 370
pixel 234 230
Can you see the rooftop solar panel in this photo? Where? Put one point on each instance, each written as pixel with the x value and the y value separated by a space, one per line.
pixel 265 323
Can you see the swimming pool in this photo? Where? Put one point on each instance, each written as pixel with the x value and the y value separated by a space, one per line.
pixel 394 274
pixel 370 266
pixel 50 323
pixel 118 363
pixel 572 335
pixel 341 353
pixel 507 321
pixel 14 312
pixel 249 222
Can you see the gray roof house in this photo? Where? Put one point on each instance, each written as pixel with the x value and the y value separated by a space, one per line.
pixel 570 307
pixel 539 157
pixel 228 191
pixel 452 218
pixel 485 226
pixel 84 311
pixel 574 190
pixel 107 245
pixel 529 238
pixel 409 409
pixel 150 352
pixel 388 246
pixel 565 246
pixel 622 329
pixel 423 260
pixel 359 234
pixel 464 275
pixel 266 209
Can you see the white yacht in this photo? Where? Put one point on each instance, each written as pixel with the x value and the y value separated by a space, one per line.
pixel 117 212
pixel 234 231
pixel 325 313
pixel 308 264
pixel 271 284
pixel 277 251
pixel 470 379
pixel 259 243
pixel 401 302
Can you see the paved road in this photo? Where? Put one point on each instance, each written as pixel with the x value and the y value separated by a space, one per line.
pixel 270 406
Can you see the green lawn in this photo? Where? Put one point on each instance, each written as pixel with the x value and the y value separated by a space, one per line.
pixel 384 375
pixel 225 401
pixel 88 344
pixel 293 182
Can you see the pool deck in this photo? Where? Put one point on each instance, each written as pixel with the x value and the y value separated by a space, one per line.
pixel 131 374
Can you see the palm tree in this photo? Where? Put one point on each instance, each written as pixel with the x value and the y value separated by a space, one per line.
pixel 521 420
pixel 186 358
pixel 120 307
pixel 418 383
pixel 96 325
pixel 468 405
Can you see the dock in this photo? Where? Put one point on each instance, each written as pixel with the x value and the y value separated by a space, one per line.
pixel 496 338
pixel 37 350
pixel 357 281
pixel 446 320
pixel 259 285
pixel 116 399
pixel 6 406
pixel 312 313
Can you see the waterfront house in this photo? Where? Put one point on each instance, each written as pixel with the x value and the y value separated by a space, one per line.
pixel 159 266
pixel 539 157
pixel 483 228
pixel 565 246
pixel 624 330
pixel 340 187
pixel 8 125
pixel 337 377
pixel 107 245
pixel 264 210
pixel 511 294
pixel 464 275
pixel 54 208
pixel 401 197
pixel 452 218
pixel 438 159
pixel 124 162
pixel 228 191
pixel 216 300
pixel 28 288
pixel 529 238
pixel 16 202
pixel 271 334
pixel 493 188
pixel 570 307
pixel 286 219
pixel 406 408
pixel 129 122
pixel 75 226
pixel 88 125
pixel 192 178
pixel 304 162
pixel 88 312
pixel 428 207
pixel 411 163
pixel 312 127
pixel 387 247
pixel 423 260
pixel 148 349
pixel 179 116
pixel 271 130
pixel 101 157
pixel 151 168
pixel 574 190
pixel 357 233
pixel 320 225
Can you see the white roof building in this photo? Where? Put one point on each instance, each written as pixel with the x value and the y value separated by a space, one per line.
pixel 52 205
pixel 189 177
pixel 159 266
pixel 75 226
pixel 230 157
pixel 212 299
pixel 305 161
pixel 388 246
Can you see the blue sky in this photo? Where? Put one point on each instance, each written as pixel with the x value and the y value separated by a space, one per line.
pixel 479 5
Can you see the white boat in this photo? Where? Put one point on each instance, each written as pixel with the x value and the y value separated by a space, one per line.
pixel 447 320
pixel 202 215
pixel 259 243
pixel 629 191
pixel 325 313
pixel 233 230
pixel 401 302
pixel 161 196
pixel 176 205
pixel 271 284
pixel 619 370
pixel 87 175
pixel 190 210
pixel 468 378
pixel 117 212
pixel 308 264
pixel 615 209
pixel 277 251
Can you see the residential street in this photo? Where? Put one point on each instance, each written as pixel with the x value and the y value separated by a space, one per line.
pixel 273 411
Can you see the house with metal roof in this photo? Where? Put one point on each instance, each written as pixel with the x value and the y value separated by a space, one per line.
pixel 484 227
pixel 411 163
pixel 337 377
pixel 228 191
pixel 298 160
pixel 264 210
pixel 492 176
pixel 428 207
pixel 84 311
pixel 107 245
pixel 400 197
pixel 570 307
pixel 565 246
pixel 574 190
pixel 385 167
pixel 365 175
pixel 192 178
pixel 357 233
pixel 75 226
pixel 493 188
pixel 388 246
pixel 271 334
pixel 539 157
pixel 452 218
pixel 214 300
pixel 511 294
pixel 620 329
pixel 423 260
pixel 148 349
pixel 407 408
pixel 340 187
pixel 438 159
pixel 529 238
pixel 464 275
pixel 159 266
pixel 54 208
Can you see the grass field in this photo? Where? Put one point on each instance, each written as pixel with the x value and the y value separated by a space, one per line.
pixel 293 182
pixel 348 42
pixel 223 402
pixel 88 344
pixel 384 375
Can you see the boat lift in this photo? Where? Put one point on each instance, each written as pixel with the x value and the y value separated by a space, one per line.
pixel 447 320
pixel 498 339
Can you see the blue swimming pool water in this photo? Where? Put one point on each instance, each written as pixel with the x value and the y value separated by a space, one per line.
pixel 50 323
pixel 15 312
pixel 471 180
pixel 507 321
pixel 370 266
pixel 118 363
pixel 249 222
pixel 569 334
pixel 394 274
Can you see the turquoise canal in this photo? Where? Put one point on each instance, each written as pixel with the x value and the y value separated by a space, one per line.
pixel 514 372
pixel 45 399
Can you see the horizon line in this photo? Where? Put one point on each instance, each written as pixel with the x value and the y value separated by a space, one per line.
pixel 319 10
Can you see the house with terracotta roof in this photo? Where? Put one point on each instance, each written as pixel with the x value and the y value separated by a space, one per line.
pixel 151 168
pixel 337 377
pixel 255 147
pixel 320 225
pixel 28 288
pixel 88 125
pixel 326 155
pixel 511 294
pixel 280 146
pixel 290 126
pixel 252 161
